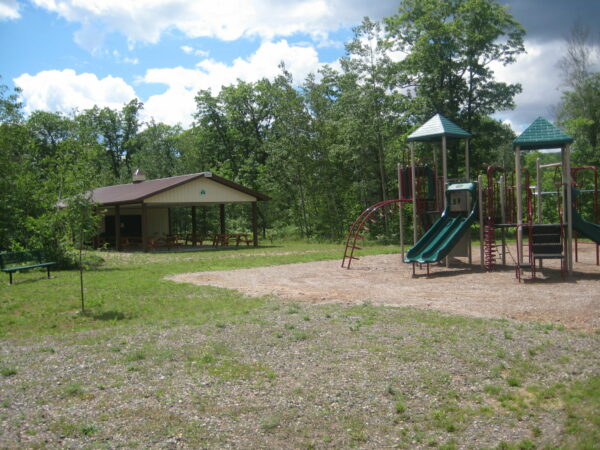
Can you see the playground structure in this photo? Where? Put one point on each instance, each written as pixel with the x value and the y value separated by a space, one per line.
pixel 505 201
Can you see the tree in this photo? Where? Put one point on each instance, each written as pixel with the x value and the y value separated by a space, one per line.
pixel 579 110
pixel 449 47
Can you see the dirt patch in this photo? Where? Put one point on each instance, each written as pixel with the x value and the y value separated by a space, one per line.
pixel 461 289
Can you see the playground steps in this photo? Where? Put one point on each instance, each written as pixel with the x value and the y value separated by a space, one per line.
pixel 546 242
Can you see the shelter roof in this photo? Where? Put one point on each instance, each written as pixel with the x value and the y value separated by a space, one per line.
pixel 123 194
pixel 541 134
pixel 436 127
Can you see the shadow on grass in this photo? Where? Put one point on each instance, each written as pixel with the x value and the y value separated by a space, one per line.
pixel 111 316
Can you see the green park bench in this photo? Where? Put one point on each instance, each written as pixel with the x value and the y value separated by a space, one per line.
pixel 11 262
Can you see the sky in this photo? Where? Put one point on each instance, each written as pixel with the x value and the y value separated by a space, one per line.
pixel 73 54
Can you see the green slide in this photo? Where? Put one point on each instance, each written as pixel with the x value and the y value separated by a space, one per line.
pixel 437 242
pixel 588 229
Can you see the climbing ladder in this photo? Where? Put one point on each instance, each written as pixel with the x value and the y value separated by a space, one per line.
pixel 361 225
pixel 490 247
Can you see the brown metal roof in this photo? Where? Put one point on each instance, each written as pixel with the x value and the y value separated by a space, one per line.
pixel 123 194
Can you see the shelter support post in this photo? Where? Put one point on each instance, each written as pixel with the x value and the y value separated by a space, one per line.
pixel 194 228
pixel 118 227
pixel 144 227
pixel 519 204
pixel 222 217
pixel 255 224
pixel 169 226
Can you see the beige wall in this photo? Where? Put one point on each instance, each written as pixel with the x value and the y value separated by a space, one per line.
pixel 201 190
pixel 158 218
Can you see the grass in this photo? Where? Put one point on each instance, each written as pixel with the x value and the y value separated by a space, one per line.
pixel 177 364
pixel 129 290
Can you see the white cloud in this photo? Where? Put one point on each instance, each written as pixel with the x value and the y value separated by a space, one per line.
pixel 9 10
pixel 177 104
pixel 63 91
pixel 226 19
pixel 191 51
pixel 540 78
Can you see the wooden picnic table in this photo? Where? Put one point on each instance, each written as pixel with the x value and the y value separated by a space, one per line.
pixel 223 239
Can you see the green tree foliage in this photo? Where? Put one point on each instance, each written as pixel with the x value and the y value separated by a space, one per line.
pixel 579 110
pixel 449 47
pixel 324 148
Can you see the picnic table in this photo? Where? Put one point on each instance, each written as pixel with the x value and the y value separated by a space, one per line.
pixel 223 239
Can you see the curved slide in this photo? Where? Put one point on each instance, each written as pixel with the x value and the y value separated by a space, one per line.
pixel 588 229
pixel 441 238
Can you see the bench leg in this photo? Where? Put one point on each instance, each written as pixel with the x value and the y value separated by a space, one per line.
pixel 48 268
pixel 10 277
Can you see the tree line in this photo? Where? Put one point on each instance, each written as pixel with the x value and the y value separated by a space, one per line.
pixel 323 148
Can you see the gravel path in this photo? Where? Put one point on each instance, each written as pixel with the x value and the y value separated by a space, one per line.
pixel 462 289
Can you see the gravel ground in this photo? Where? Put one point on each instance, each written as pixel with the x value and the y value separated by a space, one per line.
pixel 296 376
pixel 462 289
pixel 323 365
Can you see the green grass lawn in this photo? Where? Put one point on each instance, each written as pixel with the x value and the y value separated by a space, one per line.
pixel 155 363
pixel 129 288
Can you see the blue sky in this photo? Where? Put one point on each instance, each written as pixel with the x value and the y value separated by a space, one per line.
pixel 67 54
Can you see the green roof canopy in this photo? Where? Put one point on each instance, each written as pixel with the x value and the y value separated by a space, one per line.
pixel 436 127
pixel 541 134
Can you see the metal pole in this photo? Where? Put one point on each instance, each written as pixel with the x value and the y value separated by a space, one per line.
pixel 445 171
pixel 444 168
pixel 518 192
pixel 567 185
pixel 467 171
pixel 413 172
pixel 400 215
pixel 502 186
pixel 538 175
pixel 480 192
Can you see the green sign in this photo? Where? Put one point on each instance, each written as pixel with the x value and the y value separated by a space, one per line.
pixel 202 192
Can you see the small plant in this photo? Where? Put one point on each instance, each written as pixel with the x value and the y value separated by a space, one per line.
pixel 289 326
pixel 293 309
pixel 513 382
pixel 138 355
pixel 87 430
pixel 492 389
pixel 300 336
pixel 508 334
pixel 8 371
pixel 269 423
pixel 74 390
pixel 400 407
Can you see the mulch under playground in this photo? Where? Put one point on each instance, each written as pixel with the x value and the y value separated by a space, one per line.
pixel 462 289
